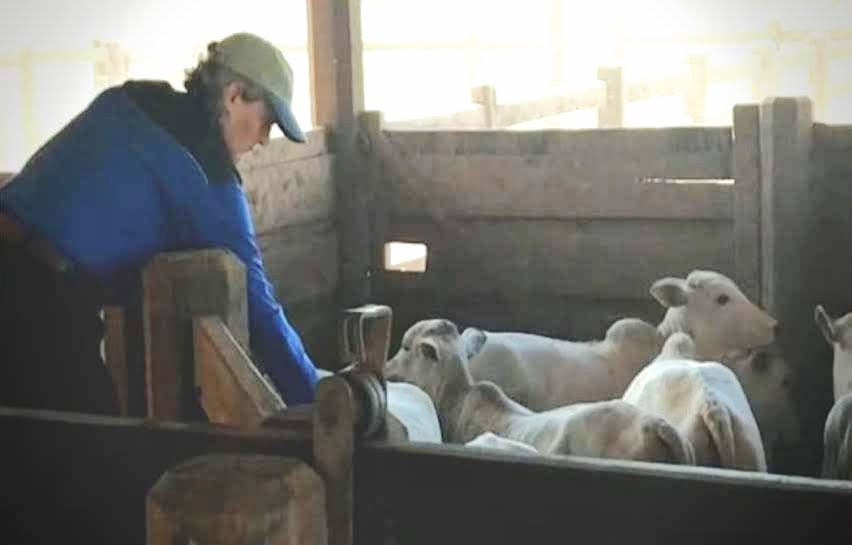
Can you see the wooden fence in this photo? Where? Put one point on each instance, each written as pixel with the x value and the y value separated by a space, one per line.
pixel 613 92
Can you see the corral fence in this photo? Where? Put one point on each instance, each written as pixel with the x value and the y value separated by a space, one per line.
pixel 558 232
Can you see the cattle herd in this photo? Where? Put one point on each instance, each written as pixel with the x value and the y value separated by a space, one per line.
pixel 706 386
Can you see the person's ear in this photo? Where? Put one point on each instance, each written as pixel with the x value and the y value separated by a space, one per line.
pixel 231 93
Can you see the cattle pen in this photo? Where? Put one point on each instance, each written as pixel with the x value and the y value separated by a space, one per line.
pixel 559 232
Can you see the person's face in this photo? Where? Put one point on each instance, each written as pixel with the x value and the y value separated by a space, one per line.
pixel 244 124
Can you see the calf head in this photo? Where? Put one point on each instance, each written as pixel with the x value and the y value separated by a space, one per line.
pixel 430 356
pixel 768 382
pixel 838 333
pixel 711 308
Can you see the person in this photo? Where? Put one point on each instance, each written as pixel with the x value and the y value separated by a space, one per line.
pixel 143 169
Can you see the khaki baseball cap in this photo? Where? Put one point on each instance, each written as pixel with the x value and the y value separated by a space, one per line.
pixel 262 63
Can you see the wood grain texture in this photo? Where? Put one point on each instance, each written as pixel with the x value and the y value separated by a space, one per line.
pixel 291 193
pixel 176 287
pixel 232 390
pixel 747 199
pixel 602 258
pixel 301 261
pixel 237 500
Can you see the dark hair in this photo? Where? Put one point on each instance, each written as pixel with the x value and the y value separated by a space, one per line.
pixel 207 80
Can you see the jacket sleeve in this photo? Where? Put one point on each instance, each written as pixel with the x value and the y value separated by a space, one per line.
pixel 272 337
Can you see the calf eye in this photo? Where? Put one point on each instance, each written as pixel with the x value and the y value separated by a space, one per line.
pixel 723 299
pixel 761 362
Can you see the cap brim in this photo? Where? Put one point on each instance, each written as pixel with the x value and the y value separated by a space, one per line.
pixel 286 121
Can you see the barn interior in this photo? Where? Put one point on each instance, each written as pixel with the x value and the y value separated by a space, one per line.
pixel 557 232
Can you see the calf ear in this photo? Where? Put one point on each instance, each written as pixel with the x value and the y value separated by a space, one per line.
pixel 670 291
pixel 825 324
pixel 473 340
pixel 428 349
pixel 679 447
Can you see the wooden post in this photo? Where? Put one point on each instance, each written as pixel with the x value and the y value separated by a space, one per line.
pixel 746 169
pixel 486 96
pixel 237 500
pixel 337 67
pixel 124 356
pixel 337 84
pixel 232 390
pixel 378 195
pixel 696 97
pixel 334 445
pixel 818 73
pixel 611 114
pixel 786 135
pixel 176 287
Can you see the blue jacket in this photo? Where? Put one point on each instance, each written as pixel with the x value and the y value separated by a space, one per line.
pixel 113 188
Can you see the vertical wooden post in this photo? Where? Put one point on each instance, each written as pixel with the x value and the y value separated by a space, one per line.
pixel 786 135
pixel 176 287
pixel 696 98
pixel 337 68
pixel 486 96
pixel 819 76
pixel 746 169
pixel 334 445
pixel 237 500
pixel 379 195
pixel 337 79
pixel 611 114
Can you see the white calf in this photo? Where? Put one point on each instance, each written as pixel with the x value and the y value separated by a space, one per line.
pixel 838 333
pixel 413 408
pixel 728 328
pixel 492 441
pixel 543 373
pixel 837 456
pixel 717 315
pixel 434 357
pixel 705 403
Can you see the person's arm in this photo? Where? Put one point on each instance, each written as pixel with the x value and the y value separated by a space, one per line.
pixel 272 337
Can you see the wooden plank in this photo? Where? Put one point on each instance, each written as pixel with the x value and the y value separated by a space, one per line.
pixel 108 465
pixel 232 390
pixel 595 258
pixel 494 186
pixel 588 500
pixel 237 499
pixel 291 193
pixel 747 199
pixel 682 152
pixel 115 355
pixel 301 261
pixel 176 287
pixel 786 135
pixel 511 114
pixel 283 150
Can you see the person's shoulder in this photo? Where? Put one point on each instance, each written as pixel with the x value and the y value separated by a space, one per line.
pixel 148 91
